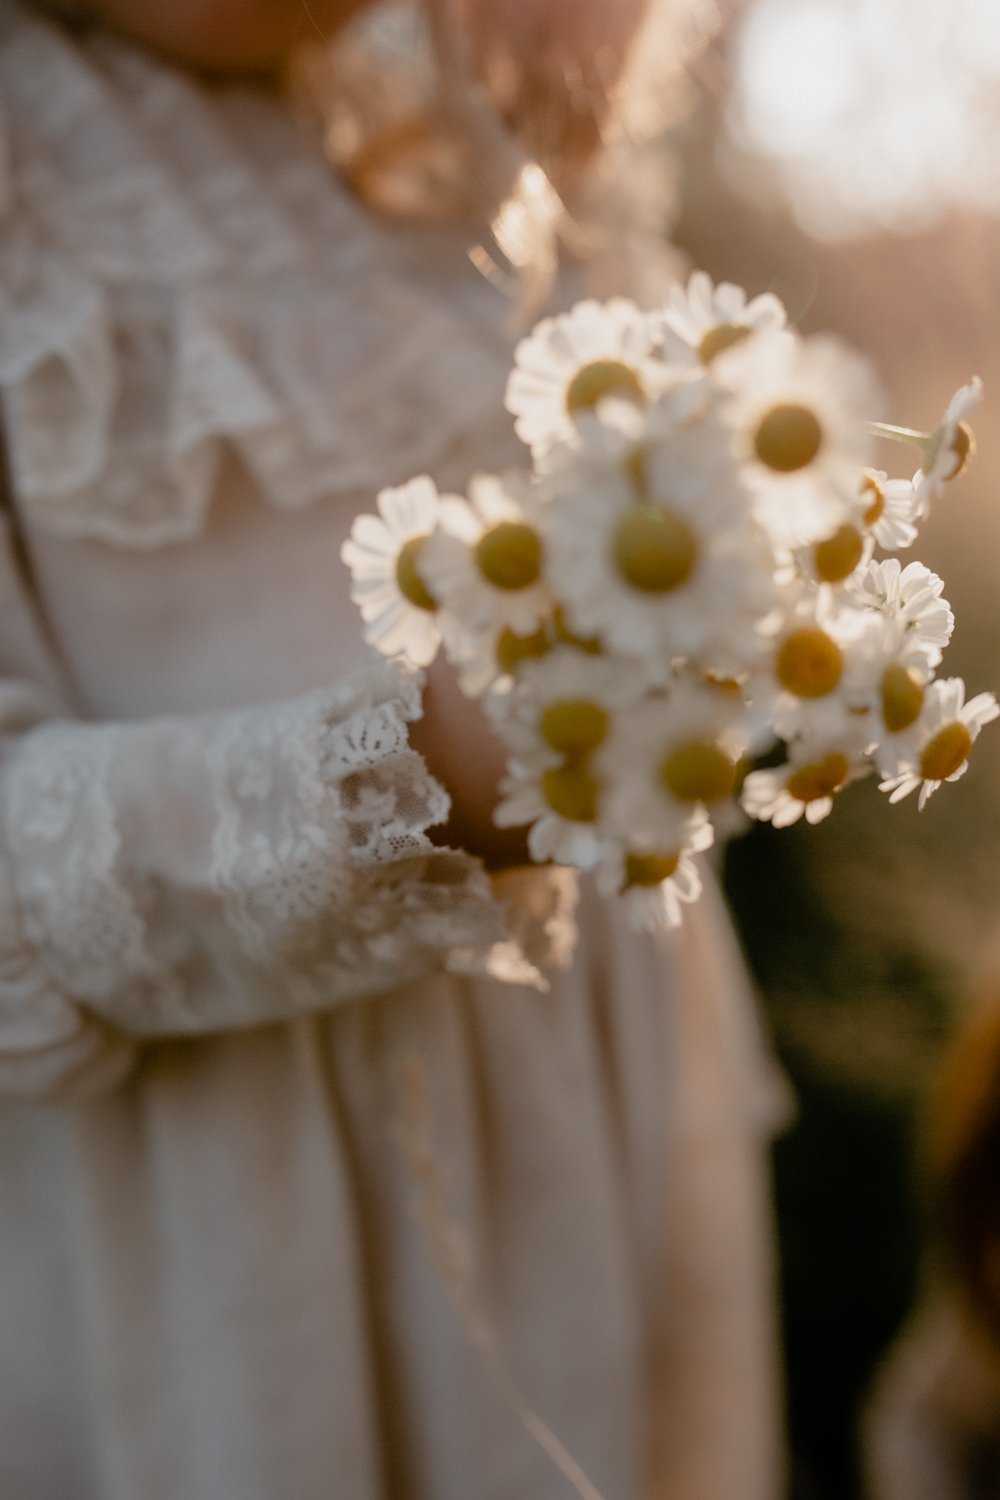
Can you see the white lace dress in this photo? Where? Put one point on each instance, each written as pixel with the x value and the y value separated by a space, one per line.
pixel 225 937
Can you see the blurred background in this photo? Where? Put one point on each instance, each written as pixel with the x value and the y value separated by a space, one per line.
pixel 845 154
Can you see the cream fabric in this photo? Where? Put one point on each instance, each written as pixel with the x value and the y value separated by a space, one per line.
pixel 225 936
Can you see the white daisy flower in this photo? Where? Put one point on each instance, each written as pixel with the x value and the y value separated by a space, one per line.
pixel 807 686
pixel 885 512
pixel 487 660
pixel 902 695
pixel 668 756
pixel 612 445
pixel 484 561
pixel 838 557
pixel 890 674
pixel 565 703
pixel 654 883
pixel 949 447
pixel 567 364
pixel 563 800
pixel 912 597
pixel 940 740
pixel 702 320
pixel 816 770
pixel 385 554
pixel 891 509
pixel 651 542
pixel 799 410
pixel 555 719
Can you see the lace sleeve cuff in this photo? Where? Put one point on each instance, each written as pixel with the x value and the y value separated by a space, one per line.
pixel 203 874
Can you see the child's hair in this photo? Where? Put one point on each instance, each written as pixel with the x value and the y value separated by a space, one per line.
pixel 549 68
pixel 493 110
pixel 541 73
pixel 965 1161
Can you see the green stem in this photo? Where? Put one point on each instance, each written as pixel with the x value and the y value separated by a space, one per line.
pixel 901 434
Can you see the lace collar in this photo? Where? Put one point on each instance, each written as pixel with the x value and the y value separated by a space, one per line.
pixel 180 271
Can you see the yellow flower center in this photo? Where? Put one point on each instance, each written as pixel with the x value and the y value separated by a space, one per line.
pixel 962 448
pixel 698 771
pixel 876 507
pixel 574 726
pixel 572 790
pixel 723 336
pixel 837 557
pixel 946 752
pixel 654 549
pixel 810 663
pixel 649 869
pixel 822 779
pixel 510 556
pixel 600 378
pixel 513 649
pixel 788 438
pixel 902 697
pixel 412 587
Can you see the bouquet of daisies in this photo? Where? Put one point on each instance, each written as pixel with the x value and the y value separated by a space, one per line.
pixel 685 578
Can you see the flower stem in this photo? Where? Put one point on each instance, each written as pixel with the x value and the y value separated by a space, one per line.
pixel 900 434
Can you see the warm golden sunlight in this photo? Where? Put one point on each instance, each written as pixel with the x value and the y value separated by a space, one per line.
pixel 877 113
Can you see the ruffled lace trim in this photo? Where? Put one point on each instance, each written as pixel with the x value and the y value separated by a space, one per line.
pixel 179 271
pixel 514 928
pixel 284 866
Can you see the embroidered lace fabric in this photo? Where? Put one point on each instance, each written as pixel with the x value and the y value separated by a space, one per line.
pixel 283 865
pixel 179 271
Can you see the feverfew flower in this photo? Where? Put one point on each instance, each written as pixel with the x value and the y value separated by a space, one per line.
pixel 486 659
pixel 669 756
pixel 891 509
pixel 569 363
pixel 651 540
pixel 911 597
pixel 484 561
pixel 799 411
pixel 385 556
pixel 890 673
pixel 838 557
pixel 565 703
pixel 655 883
pixel 817 769
pixel 949 447
pixel 702 320
pixel 806 685
pixel 885 513
pixel 940 740
pixel 561 710
pixel 563 800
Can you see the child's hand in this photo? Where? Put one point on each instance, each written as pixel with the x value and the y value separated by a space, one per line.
pixel 461 749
